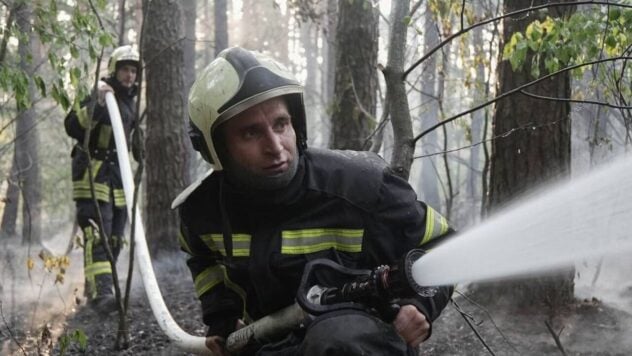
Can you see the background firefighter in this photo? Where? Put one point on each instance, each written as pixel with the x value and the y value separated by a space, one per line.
pixel 272 204
pixel 100 153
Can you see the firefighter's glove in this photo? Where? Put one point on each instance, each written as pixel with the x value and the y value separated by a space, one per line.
pixel 102 88
pixel 138 144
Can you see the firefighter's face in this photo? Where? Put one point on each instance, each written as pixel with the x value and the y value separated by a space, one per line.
pixel 126 75
pixel 261 145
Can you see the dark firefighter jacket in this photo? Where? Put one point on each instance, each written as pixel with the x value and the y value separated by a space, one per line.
pixel 108 186
pixel 342 205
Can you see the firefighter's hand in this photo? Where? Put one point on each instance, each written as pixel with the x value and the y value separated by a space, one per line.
pixel 411 325
pixel 102 88
pixel 217 344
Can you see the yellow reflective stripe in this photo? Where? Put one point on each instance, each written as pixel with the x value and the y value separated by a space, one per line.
pixel 184 244
pixel 119 197
pixel 82 191
pixel 98 187
pixel 314 240
pixel 238 290
pixel 436 225
pixel 98 268
pixel 82 115
pixel 105 133
pixel 208 279
pixel 241 244
pixel 88 236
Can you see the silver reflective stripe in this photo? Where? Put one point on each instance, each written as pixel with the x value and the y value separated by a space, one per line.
pixel 241 244
pixel 208 279
pixel 296 242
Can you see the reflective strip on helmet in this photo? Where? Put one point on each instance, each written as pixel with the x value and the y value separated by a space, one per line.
pixel 254 100
pixel 241 244
pixel 296 242
pixel 123 53
pixel 436 225
pixel 208 279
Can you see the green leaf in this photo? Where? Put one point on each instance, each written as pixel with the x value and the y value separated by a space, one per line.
pixel 105 40
pixel 39 82
pixel 74 52
pixel 613 14
pixel 75 75
pixel 611 41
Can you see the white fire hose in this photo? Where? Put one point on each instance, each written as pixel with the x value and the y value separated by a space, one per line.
pixel 179 337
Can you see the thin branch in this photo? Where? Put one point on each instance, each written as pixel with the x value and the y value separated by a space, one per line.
pixel 494 19
pixel 7 32
pixel 462 15
pixel 505 134
pixel 556 337
pixel 513 91
pixel 10 331
pixel 577 101
pixel 491 319
pixel 414 8
pixel 469 323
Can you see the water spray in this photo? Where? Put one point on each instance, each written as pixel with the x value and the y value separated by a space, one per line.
pixel 587 217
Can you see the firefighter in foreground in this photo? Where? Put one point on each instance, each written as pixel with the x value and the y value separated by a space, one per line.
pixel 272 204
pixel 123 68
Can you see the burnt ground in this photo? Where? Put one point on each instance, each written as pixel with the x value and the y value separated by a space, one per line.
pixel 589 327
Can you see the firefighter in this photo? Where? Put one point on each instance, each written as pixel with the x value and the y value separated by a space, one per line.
pixel 271 204
pixel 100 154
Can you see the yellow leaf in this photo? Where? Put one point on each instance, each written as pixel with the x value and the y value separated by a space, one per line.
pixel 30 263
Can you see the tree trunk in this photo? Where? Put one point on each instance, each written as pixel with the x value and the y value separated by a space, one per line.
pixel 264 28
pixel 530 156
pixel 353 116
pixel 166 144
pixel 220 26
pixel 121 22
pixel 329 66
pixel 481 90
pixel 313 102
pixel 27 140
pixel 429 182
pixel 404 147
pixel 189 20
pixel 11 202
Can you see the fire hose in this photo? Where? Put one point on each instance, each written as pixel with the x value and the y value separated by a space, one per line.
pixel 363 289
pixel 179 337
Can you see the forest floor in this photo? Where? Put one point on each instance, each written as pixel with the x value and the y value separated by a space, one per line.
pixel 592 326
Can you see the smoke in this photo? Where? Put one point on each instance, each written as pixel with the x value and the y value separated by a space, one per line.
pixel 38 288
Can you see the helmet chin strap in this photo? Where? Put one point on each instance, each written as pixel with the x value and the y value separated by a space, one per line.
pixel 243 178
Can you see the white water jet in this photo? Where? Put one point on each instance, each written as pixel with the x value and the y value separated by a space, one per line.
pixel 587 217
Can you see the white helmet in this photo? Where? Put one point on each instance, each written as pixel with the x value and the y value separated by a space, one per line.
pixel 233 82
pixel 122 55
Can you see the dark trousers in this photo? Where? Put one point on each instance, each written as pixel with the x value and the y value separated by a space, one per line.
pixel 97 268
pixel 346 333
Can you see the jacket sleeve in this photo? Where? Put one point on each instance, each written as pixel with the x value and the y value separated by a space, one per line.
pixel 76 122
pixel 404 223
pixel 221 306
